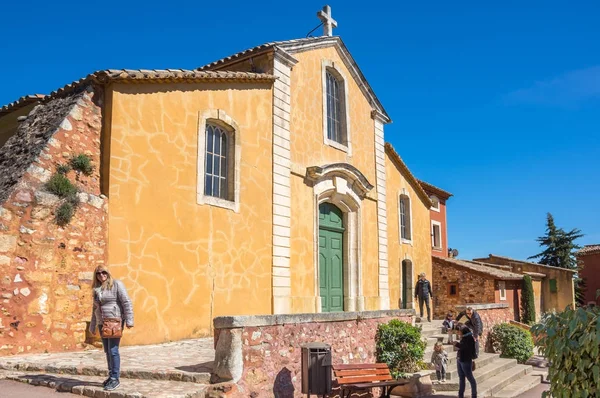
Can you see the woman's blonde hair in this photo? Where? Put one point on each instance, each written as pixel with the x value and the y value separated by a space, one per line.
pixel 108 284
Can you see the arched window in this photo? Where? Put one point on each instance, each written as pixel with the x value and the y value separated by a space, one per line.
pixel 219 154
pixel 335 108
pixel 405 227
pixel 217 175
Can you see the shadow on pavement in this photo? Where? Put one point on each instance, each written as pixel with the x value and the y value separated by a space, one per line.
pixel 204 367
pixel 61 383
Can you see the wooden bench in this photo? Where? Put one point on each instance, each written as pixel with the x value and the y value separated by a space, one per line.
pixel 363 377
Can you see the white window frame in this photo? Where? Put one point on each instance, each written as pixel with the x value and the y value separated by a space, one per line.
pixel 328 65
pixel 439 225
pixel 435 199
pixel 502 290
pixel 219 117
pixel 404 194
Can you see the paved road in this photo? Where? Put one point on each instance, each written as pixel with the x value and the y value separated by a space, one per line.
pixel 15 389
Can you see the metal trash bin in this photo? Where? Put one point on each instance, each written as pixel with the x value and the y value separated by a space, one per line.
pixel 316 368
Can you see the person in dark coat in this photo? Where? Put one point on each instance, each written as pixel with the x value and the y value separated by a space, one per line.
pixel 465 356
pixel 423 292
pixel 474 323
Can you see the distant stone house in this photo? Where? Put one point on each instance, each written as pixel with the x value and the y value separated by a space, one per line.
pixel 553 287
pixel 460 282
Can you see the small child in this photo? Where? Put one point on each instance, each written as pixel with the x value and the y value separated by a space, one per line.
pixel 449 324
pixel 439 359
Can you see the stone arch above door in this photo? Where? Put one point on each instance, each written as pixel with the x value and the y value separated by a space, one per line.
pixel 345 187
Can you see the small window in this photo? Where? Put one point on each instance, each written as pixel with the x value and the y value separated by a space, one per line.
pixel 217 170
pixel 435 203
pixel 452 289
pixel 436 235
pixel 553 287
pixel 502 289
pixel 336 114
pixel 405 227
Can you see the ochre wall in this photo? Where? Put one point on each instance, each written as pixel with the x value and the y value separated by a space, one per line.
pixel 185 263
pixel 308 149
pixel 419 251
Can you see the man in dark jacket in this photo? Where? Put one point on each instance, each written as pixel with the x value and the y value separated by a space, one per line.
pixel 423 292
pixel 474 323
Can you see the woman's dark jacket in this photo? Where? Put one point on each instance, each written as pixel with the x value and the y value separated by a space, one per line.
pixel 474 322
pixel 466 348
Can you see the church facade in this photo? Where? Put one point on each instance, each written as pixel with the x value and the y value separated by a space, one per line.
pixel 258 184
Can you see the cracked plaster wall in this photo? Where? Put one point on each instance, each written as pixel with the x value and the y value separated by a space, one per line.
pixel 185 263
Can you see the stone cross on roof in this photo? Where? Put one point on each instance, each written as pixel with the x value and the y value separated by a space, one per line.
pixel 328 22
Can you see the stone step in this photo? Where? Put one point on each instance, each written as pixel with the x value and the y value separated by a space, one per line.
pixel 487 388
pixel 519 386
pixel 488 371
pixel 91 386
pixel 481 362
pixel 127 373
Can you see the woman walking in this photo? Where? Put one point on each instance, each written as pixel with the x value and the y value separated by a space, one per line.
pixel 111 310
pixel 465 356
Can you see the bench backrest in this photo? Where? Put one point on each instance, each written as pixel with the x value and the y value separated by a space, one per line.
pixel 361 373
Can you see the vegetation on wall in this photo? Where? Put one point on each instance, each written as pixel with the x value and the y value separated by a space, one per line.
pixel 560 248
pixel 512 342
pixel 61 186
pixel 571 342
pixel 527 301
pixel 399 344
pixel 82 163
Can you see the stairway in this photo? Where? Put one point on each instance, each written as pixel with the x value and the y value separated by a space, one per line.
pixel 496 377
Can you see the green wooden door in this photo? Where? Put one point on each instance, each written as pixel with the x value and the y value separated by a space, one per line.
pixel 331 266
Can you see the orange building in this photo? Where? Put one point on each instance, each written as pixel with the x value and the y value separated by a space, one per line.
pixel 439 224
pixel 258 184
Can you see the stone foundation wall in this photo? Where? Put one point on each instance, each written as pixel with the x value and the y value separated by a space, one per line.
pixel 263 353
pixel 491 315
pixel 46 270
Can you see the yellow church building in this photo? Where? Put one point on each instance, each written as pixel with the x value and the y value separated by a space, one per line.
pixel 258 184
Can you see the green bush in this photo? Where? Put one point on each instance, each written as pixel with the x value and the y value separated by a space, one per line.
pixel 527 301
pixel 64 213
pixel 82 163
pixel 570 340
pixel 512 342
pixel 61 186
pixel 399 344
pixel 63 168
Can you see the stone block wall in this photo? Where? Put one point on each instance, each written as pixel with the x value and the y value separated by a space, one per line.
pixel 491 315
pixel 471 288
pixel 263 353
pixel 46 270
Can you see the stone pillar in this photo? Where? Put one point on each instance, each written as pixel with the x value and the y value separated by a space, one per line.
pixel 282 291
pixel 384 294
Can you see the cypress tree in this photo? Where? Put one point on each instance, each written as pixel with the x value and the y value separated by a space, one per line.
pixel 527 301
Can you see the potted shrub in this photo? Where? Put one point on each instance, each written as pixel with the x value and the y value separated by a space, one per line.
pixel 400 345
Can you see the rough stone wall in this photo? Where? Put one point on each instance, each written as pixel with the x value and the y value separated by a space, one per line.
pixel 491 318
pixel 272 354
pixel 472 288
pixel 46 270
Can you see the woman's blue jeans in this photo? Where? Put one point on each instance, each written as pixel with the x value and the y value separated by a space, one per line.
pixel 113 358
pixel 465 371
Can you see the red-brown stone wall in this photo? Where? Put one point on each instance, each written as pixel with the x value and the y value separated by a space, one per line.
pixel 46 270
pixel 473 288
pixel 513 297
pixel 491 318
pixel 591 273
pixel 272 354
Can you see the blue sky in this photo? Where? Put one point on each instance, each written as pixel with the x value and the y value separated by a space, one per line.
pixel 497 103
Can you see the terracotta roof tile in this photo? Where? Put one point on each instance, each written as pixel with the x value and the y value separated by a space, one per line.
pixel 141 76
pixel 439 192
pixel 524 262
pixel 589 249
pixel 478 267
pixel 21 103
